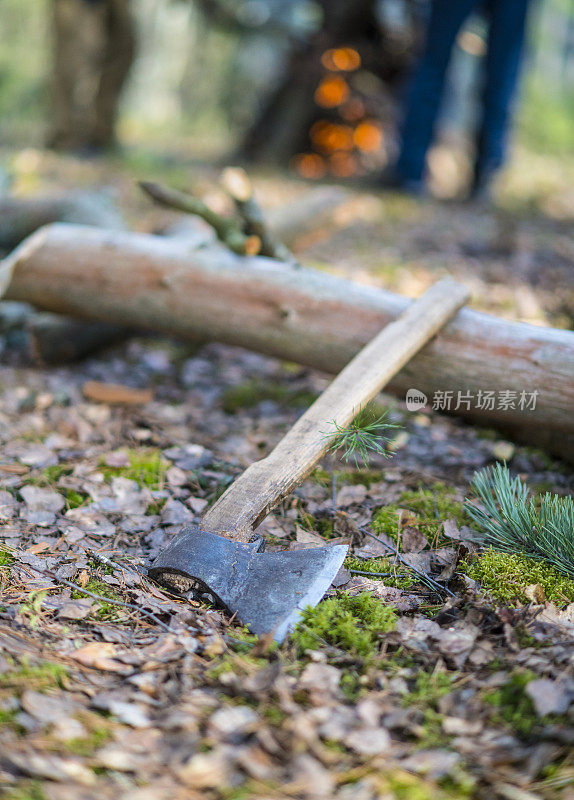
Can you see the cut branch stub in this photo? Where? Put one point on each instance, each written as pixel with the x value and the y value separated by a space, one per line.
pixel 226 228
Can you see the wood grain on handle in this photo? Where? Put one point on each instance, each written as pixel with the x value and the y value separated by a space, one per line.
pixel 265 483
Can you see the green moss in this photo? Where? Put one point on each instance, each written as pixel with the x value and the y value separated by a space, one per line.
pixel 321 476
pixel 40 676
pixel 27 790
pixel 147 468
pixel 7 717
pixel 405 786
pixel 424 694
pixel 241 640
pixel 433 503
pixel 352 623
pixel 351 685
pixel 274 715
pixel 86 745
pixel 75 499
pixel 400 578
pixel 239 664
pixel 505 576
pixel 513 706
pixel 6 561
pixel 49 478
pixel 428 508
pixel 106 611
pixel 252 392
pixel 428 688
pixel 386 520
pixel 156 507
pixel 351 477
pixel 324 526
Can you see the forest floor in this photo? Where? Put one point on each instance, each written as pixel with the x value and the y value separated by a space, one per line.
pixel 127 691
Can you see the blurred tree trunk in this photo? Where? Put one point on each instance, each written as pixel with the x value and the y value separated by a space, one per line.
pixel 94 48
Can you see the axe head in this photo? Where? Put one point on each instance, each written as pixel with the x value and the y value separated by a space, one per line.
pixel 267 591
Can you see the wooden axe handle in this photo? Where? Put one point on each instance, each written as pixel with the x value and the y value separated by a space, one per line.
pixel 265 483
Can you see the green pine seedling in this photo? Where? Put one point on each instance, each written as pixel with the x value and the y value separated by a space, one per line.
pixel 365 435
pixel 513 522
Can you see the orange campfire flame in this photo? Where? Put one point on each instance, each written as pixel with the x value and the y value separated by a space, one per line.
pixel 368 136
pixel 330 136
pixel 343 165
pixel 309 165
pixel 353 110
pixel 332 92
pixel 342 59
pixel 350 144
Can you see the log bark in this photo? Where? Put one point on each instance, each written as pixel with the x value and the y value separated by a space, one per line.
pixel 21 216
pixel 297 219
pixel 53 339
pixel 48 338
pixel 294 313
pixel 45 338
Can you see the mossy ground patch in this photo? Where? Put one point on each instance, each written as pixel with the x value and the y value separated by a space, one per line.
pixel 507 576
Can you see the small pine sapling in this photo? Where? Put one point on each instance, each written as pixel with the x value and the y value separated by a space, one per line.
pixel 365 435
pixel 513 522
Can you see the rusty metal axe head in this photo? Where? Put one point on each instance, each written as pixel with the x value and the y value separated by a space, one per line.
pixel 267 591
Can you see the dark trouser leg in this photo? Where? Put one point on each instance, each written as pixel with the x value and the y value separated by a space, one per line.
pixel 447 17
pixel 507 26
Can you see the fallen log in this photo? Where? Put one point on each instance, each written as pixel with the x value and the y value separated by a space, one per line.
pixel 298 314
pixel 54 339
pixel 48 338
pixel 21 216
pixel 299 218
pixel 45 338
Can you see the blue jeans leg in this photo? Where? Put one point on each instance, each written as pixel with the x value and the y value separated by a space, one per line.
pixel 505 48
pixel 447 17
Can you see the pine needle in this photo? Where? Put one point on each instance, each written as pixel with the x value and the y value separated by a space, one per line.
pixel 513 522
pixel 364 436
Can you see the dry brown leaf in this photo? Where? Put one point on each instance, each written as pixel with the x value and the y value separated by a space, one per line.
pixel 116 394
pixel 14 469
pixel 98 655
pixel 38 548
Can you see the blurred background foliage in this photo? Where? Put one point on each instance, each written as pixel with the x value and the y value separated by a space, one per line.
pixel 201 79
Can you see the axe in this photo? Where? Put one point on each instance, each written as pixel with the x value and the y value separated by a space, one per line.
pixel 223 557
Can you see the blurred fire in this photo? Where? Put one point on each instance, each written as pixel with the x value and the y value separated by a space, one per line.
pixel 353 111
pixel 351 142
pixel 368 136
pixel 309 165
pixel 343 59
pixel 330 136
pixel 343 165
pixel 332 91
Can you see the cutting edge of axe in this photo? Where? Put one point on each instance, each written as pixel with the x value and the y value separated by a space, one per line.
pixel 223 556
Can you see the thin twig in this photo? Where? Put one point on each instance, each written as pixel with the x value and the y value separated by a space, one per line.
pixel 77 587
pixel 108 562
pixel 238 186
pixel 374 574
pixel 226 228
pixel 422 575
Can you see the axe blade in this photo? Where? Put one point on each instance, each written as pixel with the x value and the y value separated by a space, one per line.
pixel 267 591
